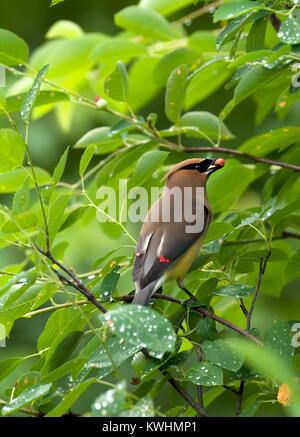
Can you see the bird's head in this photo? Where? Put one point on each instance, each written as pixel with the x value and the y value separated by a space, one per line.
pixel 204 167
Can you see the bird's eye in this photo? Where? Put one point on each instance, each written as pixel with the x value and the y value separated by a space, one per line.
pixel 201 167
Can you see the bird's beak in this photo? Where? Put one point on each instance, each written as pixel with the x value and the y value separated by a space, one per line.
pixel 215 165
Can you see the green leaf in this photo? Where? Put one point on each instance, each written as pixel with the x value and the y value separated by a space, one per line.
pixel 14 103
pixel 108 285
pixel 165 7
pixel 59 169
pixel 86 158
pixel 251 409
pixel 61 53
pixel 7 366
pixel 115 49
pixel 221 353
pixel 32 94
pixel 62 370
pixel 13 180
pixel 102 137
pixel 175 92
pixel 64 350
pixel 202 41
pixel 146 22
pixel 263 144
pixel 205 124
pixel 58 326
pixel 29 395
pixel 12 149
pixel 55 215
pixel 55 2
pixel 120 351
pixel 291 269
pixel 70 398
pixel 235 9
pixel 21 199
pixel 64 29
pixel 146 166
pixel 117 83
pixel 20 221
pixel 253 80
pixel 26 381
pixel 206 329
pixel 110 404
pixel 168 63
pixel 205 374
pixel 13 50
pixel 237 290
pixel 140 73
pixel 143 326
pixel 29 300
pixel 73 217
pixel 275 215
pixel 229 31
pixel 206 80
pixel 235 178
pixel 289 32
pixel 256 36
pixel 143 408
pixel 278 338
pixel 217 230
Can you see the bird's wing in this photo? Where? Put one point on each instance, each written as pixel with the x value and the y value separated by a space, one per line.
pixel 159 247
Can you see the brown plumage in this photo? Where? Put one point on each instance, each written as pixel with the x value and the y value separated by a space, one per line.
pixel 166 248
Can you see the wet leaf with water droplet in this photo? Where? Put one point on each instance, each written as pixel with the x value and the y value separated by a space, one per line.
pixel 205 374
pixel 110 403
pixel 278 338
pixel 236 290
pixel 289 32
pixel 27 396
pixel 143 408
pixel 32 94
pixel 143 326
pixel 221 353
pixel 109 284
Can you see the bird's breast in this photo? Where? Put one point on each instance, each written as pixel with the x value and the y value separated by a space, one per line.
pixel 182 266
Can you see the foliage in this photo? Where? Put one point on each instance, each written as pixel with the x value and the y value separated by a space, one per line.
pixel 250 48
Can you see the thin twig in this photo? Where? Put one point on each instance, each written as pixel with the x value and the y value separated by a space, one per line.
pixel 248 314
pixel 76 283
pixel 234 152
pixel 188 398
pixel 198 13
pixel 262 268
pixel 201 310
pixel 240 398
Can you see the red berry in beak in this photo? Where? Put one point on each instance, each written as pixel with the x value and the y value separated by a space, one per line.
pixel 220 162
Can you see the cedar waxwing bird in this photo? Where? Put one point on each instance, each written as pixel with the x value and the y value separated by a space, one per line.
pixel 170 237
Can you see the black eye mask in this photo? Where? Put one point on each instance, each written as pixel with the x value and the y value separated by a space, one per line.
pixel 201 167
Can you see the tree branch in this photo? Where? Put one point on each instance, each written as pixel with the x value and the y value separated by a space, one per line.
pixel 75 283
pixel 234 152
pixel 203 311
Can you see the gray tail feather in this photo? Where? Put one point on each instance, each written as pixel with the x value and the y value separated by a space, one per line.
pixel 142 295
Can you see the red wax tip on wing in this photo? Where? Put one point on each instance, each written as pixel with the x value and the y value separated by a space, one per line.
pixel 220 162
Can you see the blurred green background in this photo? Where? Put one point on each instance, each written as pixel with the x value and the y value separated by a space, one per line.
pixel 30 20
